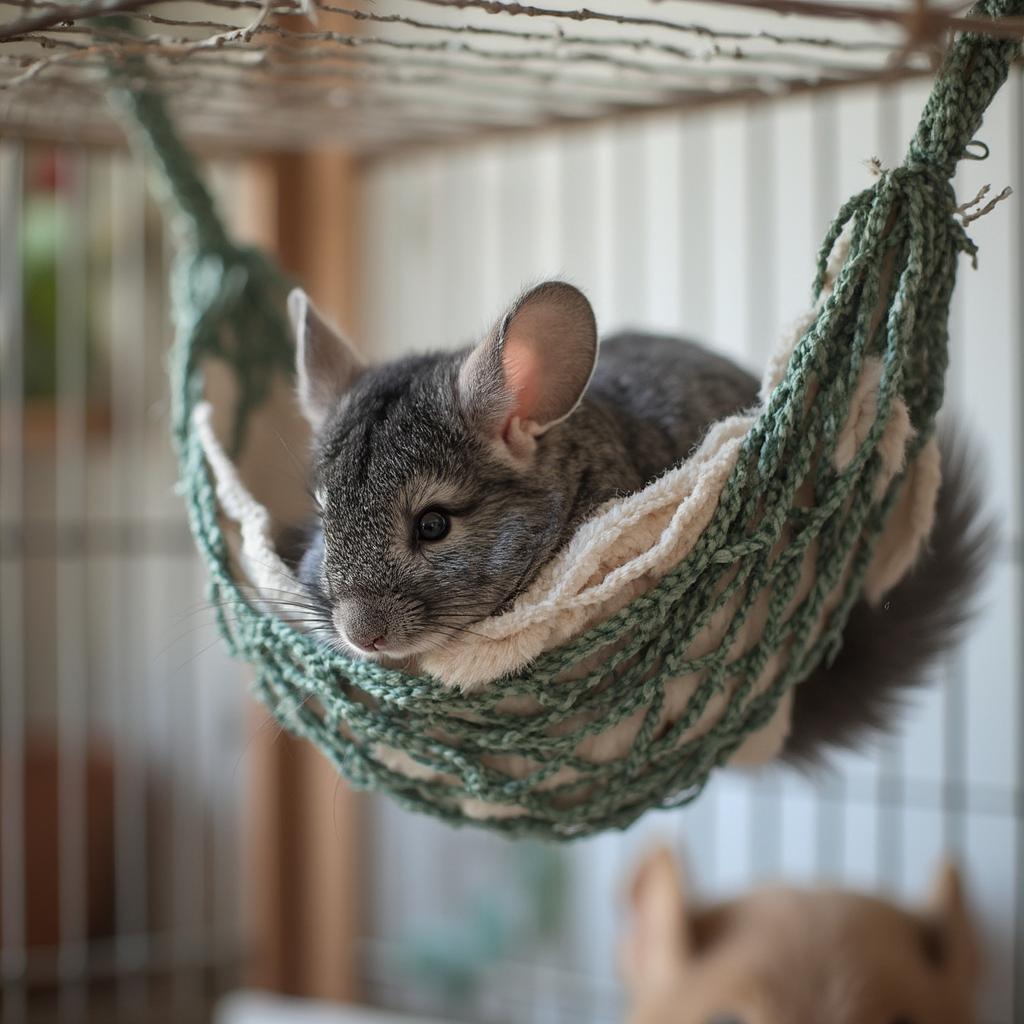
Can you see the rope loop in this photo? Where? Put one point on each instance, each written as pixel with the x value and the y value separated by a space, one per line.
pixel 969 154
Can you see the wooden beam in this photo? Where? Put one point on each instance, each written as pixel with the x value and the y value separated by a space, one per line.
pixel 302 878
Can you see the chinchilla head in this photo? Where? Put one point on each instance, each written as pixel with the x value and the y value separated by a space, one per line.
pixel 444 481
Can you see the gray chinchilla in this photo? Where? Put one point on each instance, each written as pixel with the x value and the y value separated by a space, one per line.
pixel 445 482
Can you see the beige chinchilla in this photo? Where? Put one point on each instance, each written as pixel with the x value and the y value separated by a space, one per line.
pixel 796 956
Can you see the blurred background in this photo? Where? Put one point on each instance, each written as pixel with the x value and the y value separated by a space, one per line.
pixel 166 854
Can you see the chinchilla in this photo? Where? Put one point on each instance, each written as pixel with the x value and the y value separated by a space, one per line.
pixel 444 483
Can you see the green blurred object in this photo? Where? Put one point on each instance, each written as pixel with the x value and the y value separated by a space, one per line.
pixel 525 908
pixel 45 229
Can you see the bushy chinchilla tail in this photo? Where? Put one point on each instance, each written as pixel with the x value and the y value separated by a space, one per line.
pixel 888 650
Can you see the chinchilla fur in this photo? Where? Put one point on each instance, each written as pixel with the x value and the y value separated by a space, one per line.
pixel 516 442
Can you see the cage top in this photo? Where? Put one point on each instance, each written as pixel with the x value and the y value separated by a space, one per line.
pixel 373 74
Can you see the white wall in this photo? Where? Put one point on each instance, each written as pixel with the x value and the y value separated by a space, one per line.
pixel 707 225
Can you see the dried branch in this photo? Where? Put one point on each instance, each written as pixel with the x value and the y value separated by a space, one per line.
pixel 972 209
pixel 267 67
pixel 690 28
pixel 942 20
pixel 523 62
pixel 60 13
pixel 559 42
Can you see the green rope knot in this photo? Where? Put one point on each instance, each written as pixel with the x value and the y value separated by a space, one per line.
pixel 228 301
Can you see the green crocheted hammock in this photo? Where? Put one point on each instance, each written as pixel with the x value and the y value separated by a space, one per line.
pixel 904 242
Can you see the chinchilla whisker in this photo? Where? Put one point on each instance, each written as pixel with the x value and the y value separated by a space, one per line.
pixel 225 613
pixel 293 620
pixel 524 577
pixel 254 596
pixel 281 603
pixel 226 607
pixel 181 637
pixel 255 593
pixel 177 669
pixel 290 602
pixel 246 588
pixel 290 595
pixel 459 630
pixel 269 722
pixel 465 618
pixel 450 628
pixel 219 612
pixel 301 470
pixel 466 615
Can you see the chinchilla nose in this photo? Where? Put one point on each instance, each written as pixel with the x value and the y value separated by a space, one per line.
pixel 361 623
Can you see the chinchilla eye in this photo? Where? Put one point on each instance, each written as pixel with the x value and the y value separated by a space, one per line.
pixel 433 524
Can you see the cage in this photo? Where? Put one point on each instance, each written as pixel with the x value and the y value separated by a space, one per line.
pixel 681 161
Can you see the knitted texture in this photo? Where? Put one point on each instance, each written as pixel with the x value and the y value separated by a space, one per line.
pixel 790 497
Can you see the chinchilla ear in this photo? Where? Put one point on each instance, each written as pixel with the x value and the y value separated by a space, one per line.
pixel 325 363
pixel 532 369
pixel 659 941
pixel 949 939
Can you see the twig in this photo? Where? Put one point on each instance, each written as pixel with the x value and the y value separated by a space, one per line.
pixel 586 14
pixel 1009 27
pixel 526 62
pixel 68 12
pixel 964 209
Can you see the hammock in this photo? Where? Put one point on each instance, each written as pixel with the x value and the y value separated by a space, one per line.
pixel 666 639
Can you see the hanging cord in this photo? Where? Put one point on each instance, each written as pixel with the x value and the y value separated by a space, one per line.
pixel 227 299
